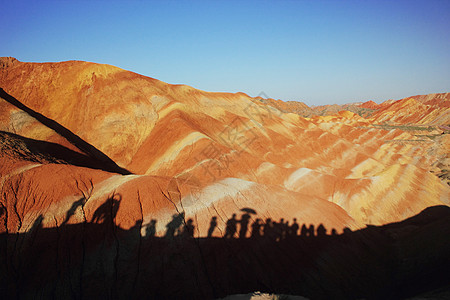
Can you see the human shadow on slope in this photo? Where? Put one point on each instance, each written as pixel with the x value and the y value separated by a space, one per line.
pixel 150 229
pixel 231 227
pixel 174 225
pixel 94 260
pixel 75 205
pixel 212 226
pixel 106 213
pixel 108 164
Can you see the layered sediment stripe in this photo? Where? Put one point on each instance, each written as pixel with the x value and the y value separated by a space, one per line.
pixel 108 187
pixel 396 186
pixel 17 171
pixel 292 182
pixel 174 150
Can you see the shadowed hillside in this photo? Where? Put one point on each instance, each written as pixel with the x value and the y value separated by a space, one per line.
pixel 90 150
pixel 18 147
pixel 101 260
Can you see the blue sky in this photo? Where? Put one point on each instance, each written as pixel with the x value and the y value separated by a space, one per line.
pixel 318 52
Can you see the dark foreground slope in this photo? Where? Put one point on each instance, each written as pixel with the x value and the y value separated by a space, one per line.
pixel 99 261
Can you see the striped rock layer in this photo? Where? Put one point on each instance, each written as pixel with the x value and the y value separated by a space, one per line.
pixel 205 154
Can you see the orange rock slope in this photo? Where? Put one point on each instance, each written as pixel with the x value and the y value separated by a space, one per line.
pixel 433 109
pixel 162 149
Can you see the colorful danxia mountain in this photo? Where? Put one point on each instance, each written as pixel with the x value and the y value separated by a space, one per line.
pixel 113 181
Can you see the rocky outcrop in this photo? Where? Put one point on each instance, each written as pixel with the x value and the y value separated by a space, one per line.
pixel 6 62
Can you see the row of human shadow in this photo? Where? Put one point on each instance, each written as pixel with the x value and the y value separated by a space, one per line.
pixel 243 227
pixel 237 262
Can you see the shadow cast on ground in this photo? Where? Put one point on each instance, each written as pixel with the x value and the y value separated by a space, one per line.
pixel 102 159
pixel 99 260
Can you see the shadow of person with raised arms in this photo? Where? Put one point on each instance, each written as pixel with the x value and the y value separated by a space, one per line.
pixel 106 213
pixel 79 203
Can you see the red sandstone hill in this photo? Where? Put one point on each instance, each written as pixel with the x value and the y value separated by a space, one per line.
pixel 370 104
pixel 207 153
pixel 433 109
pixel 429 109
pixel 91 152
